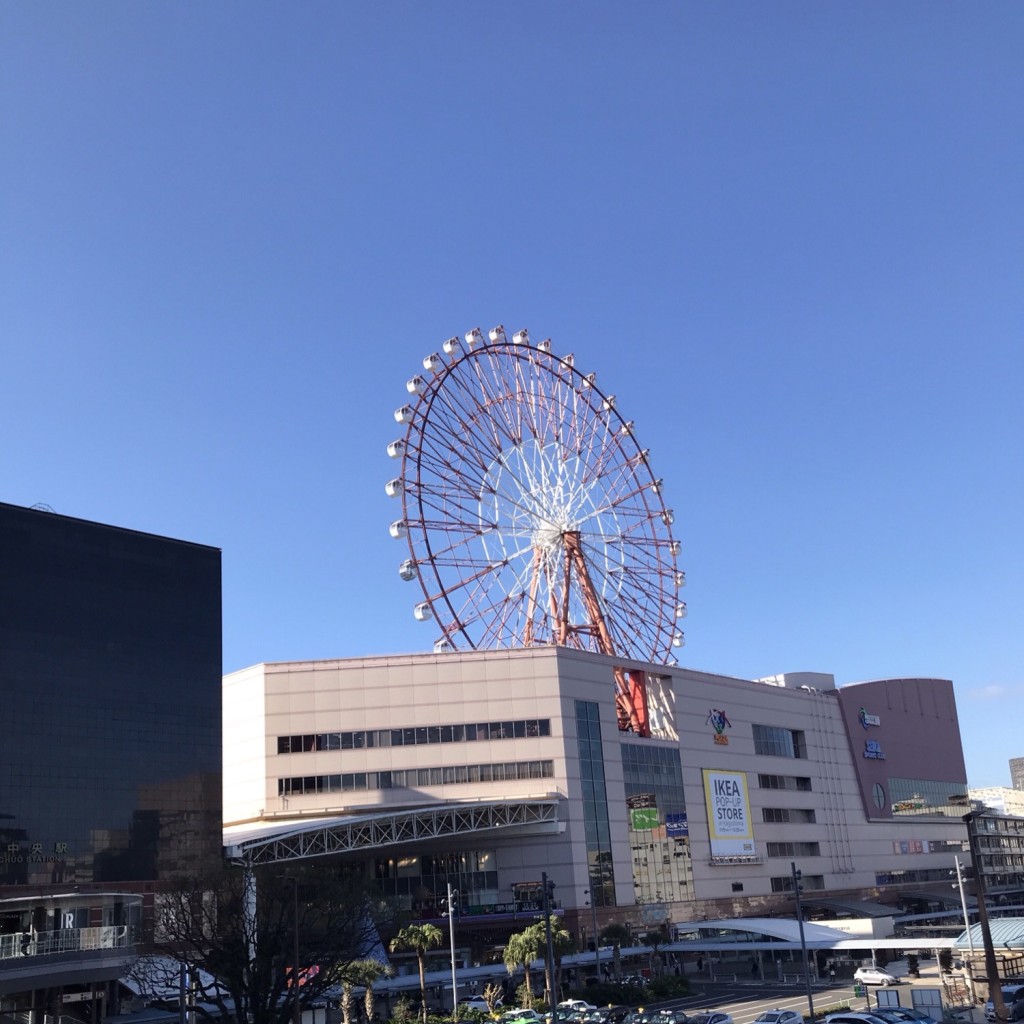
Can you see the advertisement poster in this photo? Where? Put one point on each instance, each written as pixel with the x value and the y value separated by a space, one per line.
pixel 729 824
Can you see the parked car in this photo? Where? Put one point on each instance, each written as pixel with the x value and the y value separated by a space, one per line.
pixel 610 1015
pixel 641 1016
pixel 853 1018
pixel 780 1017
pixel 673 1017
pixel 1013 1000
pixel 904 1015
pixel 576 1004
pixel 711 1017
pixel 874 976
pixel 527 1016
pixel 476 1003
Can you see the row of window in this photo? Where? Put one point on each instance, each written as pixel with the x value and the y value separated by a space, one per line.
pixel 798 782
pixel 412 778
pixel 786 815
pixel 778 742
pixel 793 849
pixel 912 875
pixel 1009 860
pixel 524 728
pixel 925 796
pixel 809 882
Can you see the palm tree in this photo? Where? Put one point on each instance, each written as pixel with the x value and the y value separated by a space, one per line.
pixel 520 951
pixel 616 934
pixel 419 938
pixel 561 944
pixel 654 941
pixel 366 973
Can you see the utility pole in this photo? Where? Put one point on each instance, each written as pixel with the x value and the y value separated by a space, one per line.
pixel 548 892
pixel 798 888
pixel 995 985
pixel 452 910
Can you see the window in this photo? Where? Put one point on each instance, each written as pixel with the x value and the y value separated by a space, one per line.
pixel 797 782
pixel 440 776
pixel 521 729
pixel 794 849
pixel 810 882
pixel 786 815
pixel 779 742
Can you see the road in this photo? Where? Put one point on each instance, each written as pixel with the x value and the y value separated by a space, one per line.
pixel 747 1001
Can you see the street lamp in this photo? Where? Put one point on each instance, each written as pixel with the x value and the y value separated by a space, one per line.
pixel 597 944
pixel 797 889
pixel 967 925
pixel 452 908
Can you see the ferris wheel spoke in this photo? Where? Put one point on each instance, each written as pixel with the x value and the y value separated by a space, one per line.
pixel 625 503
pixel 478 607
pixel 529 508
pixel 472 422
pixel 486 405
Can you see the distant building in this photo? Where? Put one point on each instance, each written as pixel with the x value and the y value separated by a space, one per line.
pixel 999 854
pixel 110 665
pixel 1017 772
pixel 999 799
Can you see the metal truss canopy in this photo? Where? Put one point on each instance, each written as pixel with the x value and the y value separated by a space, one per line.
pixel 298 841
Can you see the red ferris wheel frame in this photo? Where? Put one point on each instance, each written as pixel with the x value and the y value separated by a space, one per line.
pixel 531 513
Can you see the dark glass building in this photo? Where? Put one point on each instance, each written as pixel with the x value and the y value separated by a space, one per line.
pixel 110 761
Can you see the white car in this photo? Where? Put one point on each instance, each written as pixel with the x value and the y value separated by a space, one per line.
pixel 874 976
pixel 780 1017
pixel 711 1017
pixel 476 1003
pixel 576 1004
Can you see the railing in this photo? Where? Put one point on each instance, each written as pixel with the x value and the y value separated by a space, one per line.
pixel 64 940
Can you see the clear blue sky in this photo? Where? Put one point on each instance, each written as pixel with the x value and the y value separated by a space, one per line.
pixel 788 236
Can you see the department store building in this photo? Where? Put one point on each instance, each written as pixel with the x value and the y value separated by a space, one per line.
pixel 490 770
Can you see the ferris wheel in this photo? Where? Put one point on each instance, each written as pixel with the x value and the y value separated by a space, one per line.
pixel 531 513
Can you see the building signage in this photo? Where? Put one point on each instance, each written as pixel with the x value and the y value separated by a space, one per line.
pixel 15 853
pixel 643 819
pixel 872 748
pixel 719 722
pixel 676 825
pixel 729 823
pixel 865 719
pixel 643 812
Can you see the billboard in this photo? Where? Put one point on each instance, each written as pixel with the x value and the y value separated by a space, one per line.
pixel 729 824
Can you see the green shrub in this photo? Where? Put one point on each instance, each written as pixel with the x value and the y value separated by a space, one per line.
pixel 668 986
pixel 402 1012
pixel 821 1012
pixel 607 993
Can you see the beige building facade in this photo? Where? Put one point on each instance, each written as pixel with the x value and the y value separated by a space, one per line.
pixel 490 771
